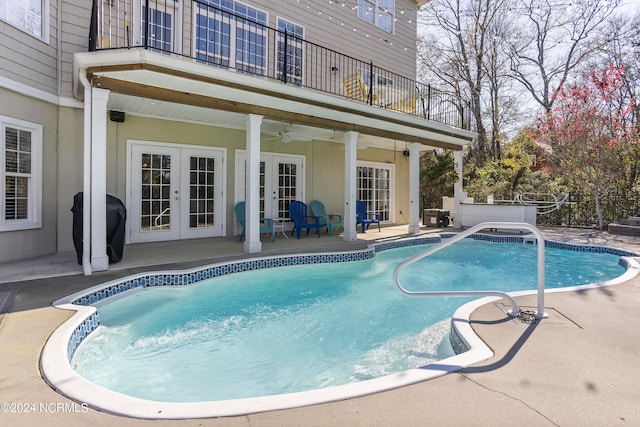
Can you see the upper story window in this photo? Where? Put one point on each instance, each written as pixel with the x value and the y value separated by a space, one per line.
pixel 20 174
pixel 238 41
pixel 162 24
pixel 291 56
pixel 28 15
pixel 380 13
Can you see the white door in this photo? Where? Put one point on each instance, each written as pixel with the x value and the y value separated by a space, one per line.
pixel 285 185
pixel 281 181
pixel 202 193
pixel 174 192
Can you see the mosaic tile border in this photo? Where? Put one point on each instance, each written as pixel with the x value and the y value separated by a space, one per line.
pixel 190 277
pixel 547 244
pixel 458 344
pixel 83 330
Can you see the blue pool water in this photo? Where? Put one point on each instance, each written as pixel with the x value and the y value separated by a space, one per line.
pixel 306 327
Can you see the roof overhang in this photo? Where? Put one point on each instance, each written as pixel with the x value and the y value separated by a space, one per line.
pixel 150 75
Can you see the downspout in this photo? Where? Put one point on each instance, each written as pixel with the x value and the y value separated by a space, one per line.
pixel 86 178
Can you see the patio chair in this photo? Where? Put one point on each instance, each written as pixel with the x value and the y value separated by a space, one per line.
pixel 266 224
pixel 326 220
pixel 300 218
pixel 355 87
pixel 362 217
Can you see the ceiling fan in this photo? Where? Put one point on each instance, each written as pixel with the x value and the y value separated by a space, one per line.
pixel 289 136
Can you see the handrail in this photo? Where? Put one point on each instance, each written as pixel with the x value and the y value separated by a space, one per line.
pixel 515 310
pixel 547 206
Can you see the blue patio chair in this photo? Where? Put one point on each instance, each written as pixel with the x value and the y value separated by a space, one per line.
pixel 266 224
pixel 300 218
pixel 326 220
pixel 362 217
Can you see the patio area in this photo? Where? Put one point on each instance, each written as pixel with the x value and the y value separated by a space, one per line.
pixel 578 367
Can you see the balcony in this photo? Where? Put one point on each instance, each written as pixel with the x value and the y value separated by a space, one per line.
pixel 221 39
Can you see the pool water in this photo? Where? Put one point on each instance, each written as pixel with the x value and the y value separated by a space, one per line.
pixel 297 328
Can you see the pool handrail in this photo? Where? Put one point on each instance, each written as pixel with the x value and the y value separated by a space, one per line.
pixel 515 310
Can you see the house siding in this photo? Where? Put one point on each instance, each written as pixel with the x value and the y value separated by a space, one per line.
pixel 384 49
pixel 29 60
pixel 75 20
pixel 22 244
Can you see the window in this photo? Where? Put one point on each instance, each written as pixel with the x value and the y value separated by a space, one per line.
pixel 231 34
pixel 380 13
pixel 375 79
pixel 20 156
pixel 374 184
pixel 28 15
pixel 161 25
pixel 293 54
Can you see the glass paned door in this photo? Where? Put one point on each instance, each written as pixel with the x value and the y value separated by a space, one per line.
pixel 286 185
pixel 175 192
pixel 374 188
pixel 290 52
pixel 202 187
pixel 154 189
pixel 281 181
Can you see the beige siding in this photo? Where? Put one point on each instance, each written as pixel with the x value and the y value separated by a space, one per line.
pixel 29 60
pixel 76 17
pixel 384 49
pixel 70 156
pixel 22 244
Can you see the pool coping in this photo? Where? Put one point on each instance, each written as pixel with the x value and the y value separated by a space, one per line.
pixel 56 368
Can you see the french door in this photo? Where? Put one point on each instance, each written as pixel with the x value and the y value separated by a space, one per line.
pixel 374 184
pixel 174 192
pixel 281 181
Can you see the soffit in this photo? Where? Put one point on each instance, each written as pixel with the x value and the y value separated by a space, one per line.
pixel 152 84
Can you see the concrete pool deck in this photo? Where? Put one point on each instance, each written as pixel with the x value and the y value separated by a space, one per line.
pixel 579 367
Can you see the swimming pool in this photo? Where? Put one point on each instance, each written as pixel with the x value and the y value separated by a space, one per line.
pixel 272 304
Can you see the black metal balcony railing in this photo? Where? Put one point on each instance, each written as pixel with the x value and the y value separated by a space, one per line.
pixel 213 34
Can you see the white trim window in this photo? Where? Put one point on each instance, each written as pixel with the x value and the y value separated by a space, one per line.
pixel 373 186
pixel 380 13
pixel 294 51
pixel 231 34
pixel 28 15
pixel 21 189
pixel 163 26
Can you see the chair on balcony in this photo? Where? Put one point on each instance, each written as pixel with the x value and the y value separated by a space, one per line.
pixel 266 224
pixel 362 216
pixel 407 103
pixel 326 220
pixel 355 87
pixel 298 213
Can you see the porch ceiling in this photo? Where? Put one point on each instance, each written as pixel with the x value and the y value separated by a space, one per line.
pixel 153 84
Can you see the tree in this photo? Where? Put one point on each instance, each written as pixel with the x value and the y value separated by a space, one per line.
pixel 621 48
pixel 437 176
pixel 586 130
pixel 552 39
pixel 456 52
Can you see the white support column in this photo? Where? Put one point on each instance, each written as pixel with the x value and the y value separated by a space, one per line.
pixel 414 188
pixel 99 258
pixel 350 157
pixel 252 243
pixel 457 189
